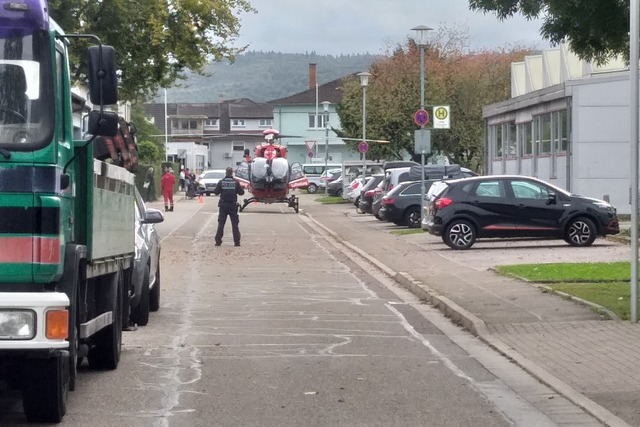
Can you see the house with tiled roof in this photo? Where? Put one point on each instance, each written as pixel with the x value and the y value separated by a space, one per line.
pixel 302 115
pixel 213 135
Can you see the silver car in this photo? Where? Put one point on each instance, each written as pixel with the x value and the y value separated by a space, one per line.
pixel 144 295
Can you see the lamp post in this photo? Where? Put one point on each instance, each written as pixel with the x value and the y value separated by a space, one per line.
pixel 364 82
pixel 421 41
pixel 325 108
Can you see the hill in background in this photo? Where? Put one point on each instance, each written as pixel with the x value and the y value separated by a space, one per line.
pixel 263 76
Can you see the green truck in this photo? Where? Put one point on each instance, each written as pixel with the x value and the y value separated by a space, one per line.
pixel 66 218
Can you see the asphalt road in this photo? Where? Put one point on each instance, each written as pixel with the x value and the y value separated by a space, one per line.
pixel 293 329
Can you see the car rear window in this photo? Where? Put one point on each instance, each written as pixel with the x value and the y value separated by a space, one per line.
pixel 213 175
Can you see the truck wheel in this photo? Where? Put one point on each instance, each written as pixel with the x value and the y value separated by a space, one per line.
pixel 154 294
pixel 141 312
pixel 108 341
pixel 312 188
pixel 44 395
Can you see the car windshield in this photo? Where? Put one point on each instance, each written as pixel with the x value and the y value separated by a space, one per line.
pixel 26 92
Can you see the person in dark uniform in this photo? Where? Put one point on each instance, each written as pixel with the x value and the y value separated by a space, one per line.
pixel 228 189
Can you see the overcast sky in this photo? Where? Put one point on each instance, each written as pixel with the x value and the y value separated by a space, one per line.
pixel 333 27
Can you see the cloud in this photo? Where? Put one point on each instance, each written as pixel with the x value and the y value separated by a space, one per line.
pixel 334 27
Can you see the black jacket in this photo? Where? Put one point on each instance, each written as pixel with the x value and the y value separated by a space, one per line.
pixel 229 189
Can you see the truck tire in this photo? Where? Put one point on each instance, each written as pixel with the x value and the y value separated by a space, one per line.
pixel 154 294
pixel 44 395
pixel 140 314
pixel 105 354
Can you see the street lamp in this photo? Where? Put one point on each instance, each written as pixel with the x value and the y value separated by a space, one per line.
pixel 364 82
pixel 421 41
pixel 325 108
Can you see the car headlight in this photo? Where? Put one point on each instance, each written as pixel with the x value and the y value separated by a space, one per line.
pixel 604 205
pixel 17 324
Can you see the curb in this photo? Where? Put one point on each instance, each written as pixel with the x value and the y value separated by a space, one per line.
pixel 479 329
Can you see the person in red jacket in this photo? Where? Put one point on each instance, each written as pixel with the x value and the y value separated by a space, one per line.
pixel 167 183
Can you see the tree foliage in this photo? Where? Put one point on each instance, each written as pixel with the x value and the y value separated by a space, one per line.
pixel 465 80
pixel 156 41
pixel 596 30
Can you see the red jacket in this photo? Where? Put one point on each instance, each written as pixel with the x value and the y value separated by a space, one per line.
pixel 167 182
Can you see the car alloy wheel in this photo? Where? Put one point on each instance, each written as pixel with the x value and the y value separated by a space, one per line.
pixel 581 232
pixel 460 235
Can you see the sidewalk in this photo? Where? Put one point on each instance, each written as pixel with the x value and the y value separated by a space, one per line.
pixel 591 361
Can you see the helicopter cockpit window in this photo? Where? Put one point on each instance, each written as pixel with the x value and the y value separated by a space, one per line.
pixel 259 168
pixel 279 168
pixel 242 170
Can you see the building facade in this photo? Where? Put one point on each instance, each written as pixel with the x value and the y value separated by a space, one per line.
pixel 567 123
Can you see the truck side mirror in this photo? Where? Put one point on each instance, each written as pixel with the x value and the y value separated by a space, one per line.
pixel 103 123
pixel 103 82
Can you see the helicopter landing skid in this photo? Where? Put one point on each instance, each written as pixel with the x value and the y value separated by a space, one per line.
pixel 291 202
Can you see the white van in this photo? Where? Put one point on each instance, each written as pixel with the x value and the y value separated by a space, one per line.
pixel 313 171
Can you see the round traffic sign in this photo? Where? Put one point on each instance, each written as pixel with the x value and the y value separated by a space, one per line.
pixel 441 113
pixel 310 153
pixel 421 117
pixel 363 146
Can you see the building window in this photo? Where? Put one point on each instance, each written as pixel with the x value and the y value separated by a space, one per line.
pixel 526 139
pixel 561 131
pixel 265 123
pixel 237 123
pixel 498 141
pixel 211 122
pixel 320 121
pixel 238 147
pixel 511 142
pixel 543 138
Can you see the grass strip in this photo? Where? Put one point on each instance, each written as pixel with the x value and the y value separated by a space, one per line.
pixel 569 272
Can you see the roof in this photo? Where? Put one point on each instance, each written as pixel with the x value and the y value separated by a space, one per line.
pixel 332 92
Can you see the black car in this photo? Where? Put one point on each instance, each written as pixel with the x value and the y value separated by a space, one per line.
pixel 402 204
pixel 335 187
pixel 366 197
pixel 516 206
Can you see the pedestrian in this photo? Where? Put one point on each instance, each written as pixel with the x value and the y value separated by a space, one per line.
pixel 167 183
pixel 182 181
pixel 148 185
pixel 228 189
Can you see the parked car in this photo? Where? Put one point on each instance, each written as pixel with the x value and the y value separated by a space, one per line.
pixel 144 295
pixel 366 198
pixel 516 206
pixel 335 187
pixel 329 176
pixel 313 172
pixel 354 190
pixel 208 180
pixel 402 204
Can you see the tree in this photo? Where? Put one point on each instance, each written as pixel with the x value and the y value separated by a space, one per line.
pixel 467 81
pixel 156 41
pixel 150 146
pixel 596 30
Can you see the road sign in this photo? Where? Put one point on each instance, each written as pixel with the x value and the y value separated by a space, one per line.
pixel 422 138
pixel 310 143
pixel 310 153
pixel 421 117
pixel 363 146
pixel 441 117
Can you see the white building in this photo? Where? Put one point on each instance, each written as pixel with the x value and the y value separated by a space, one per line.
pixel 567 123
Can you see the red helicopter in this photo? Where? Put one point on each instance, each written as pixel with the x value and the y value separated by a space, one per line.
pixel 268 176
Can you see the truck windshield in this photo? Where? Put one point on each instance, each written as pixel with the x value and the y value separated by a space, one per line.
pixel 26 92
